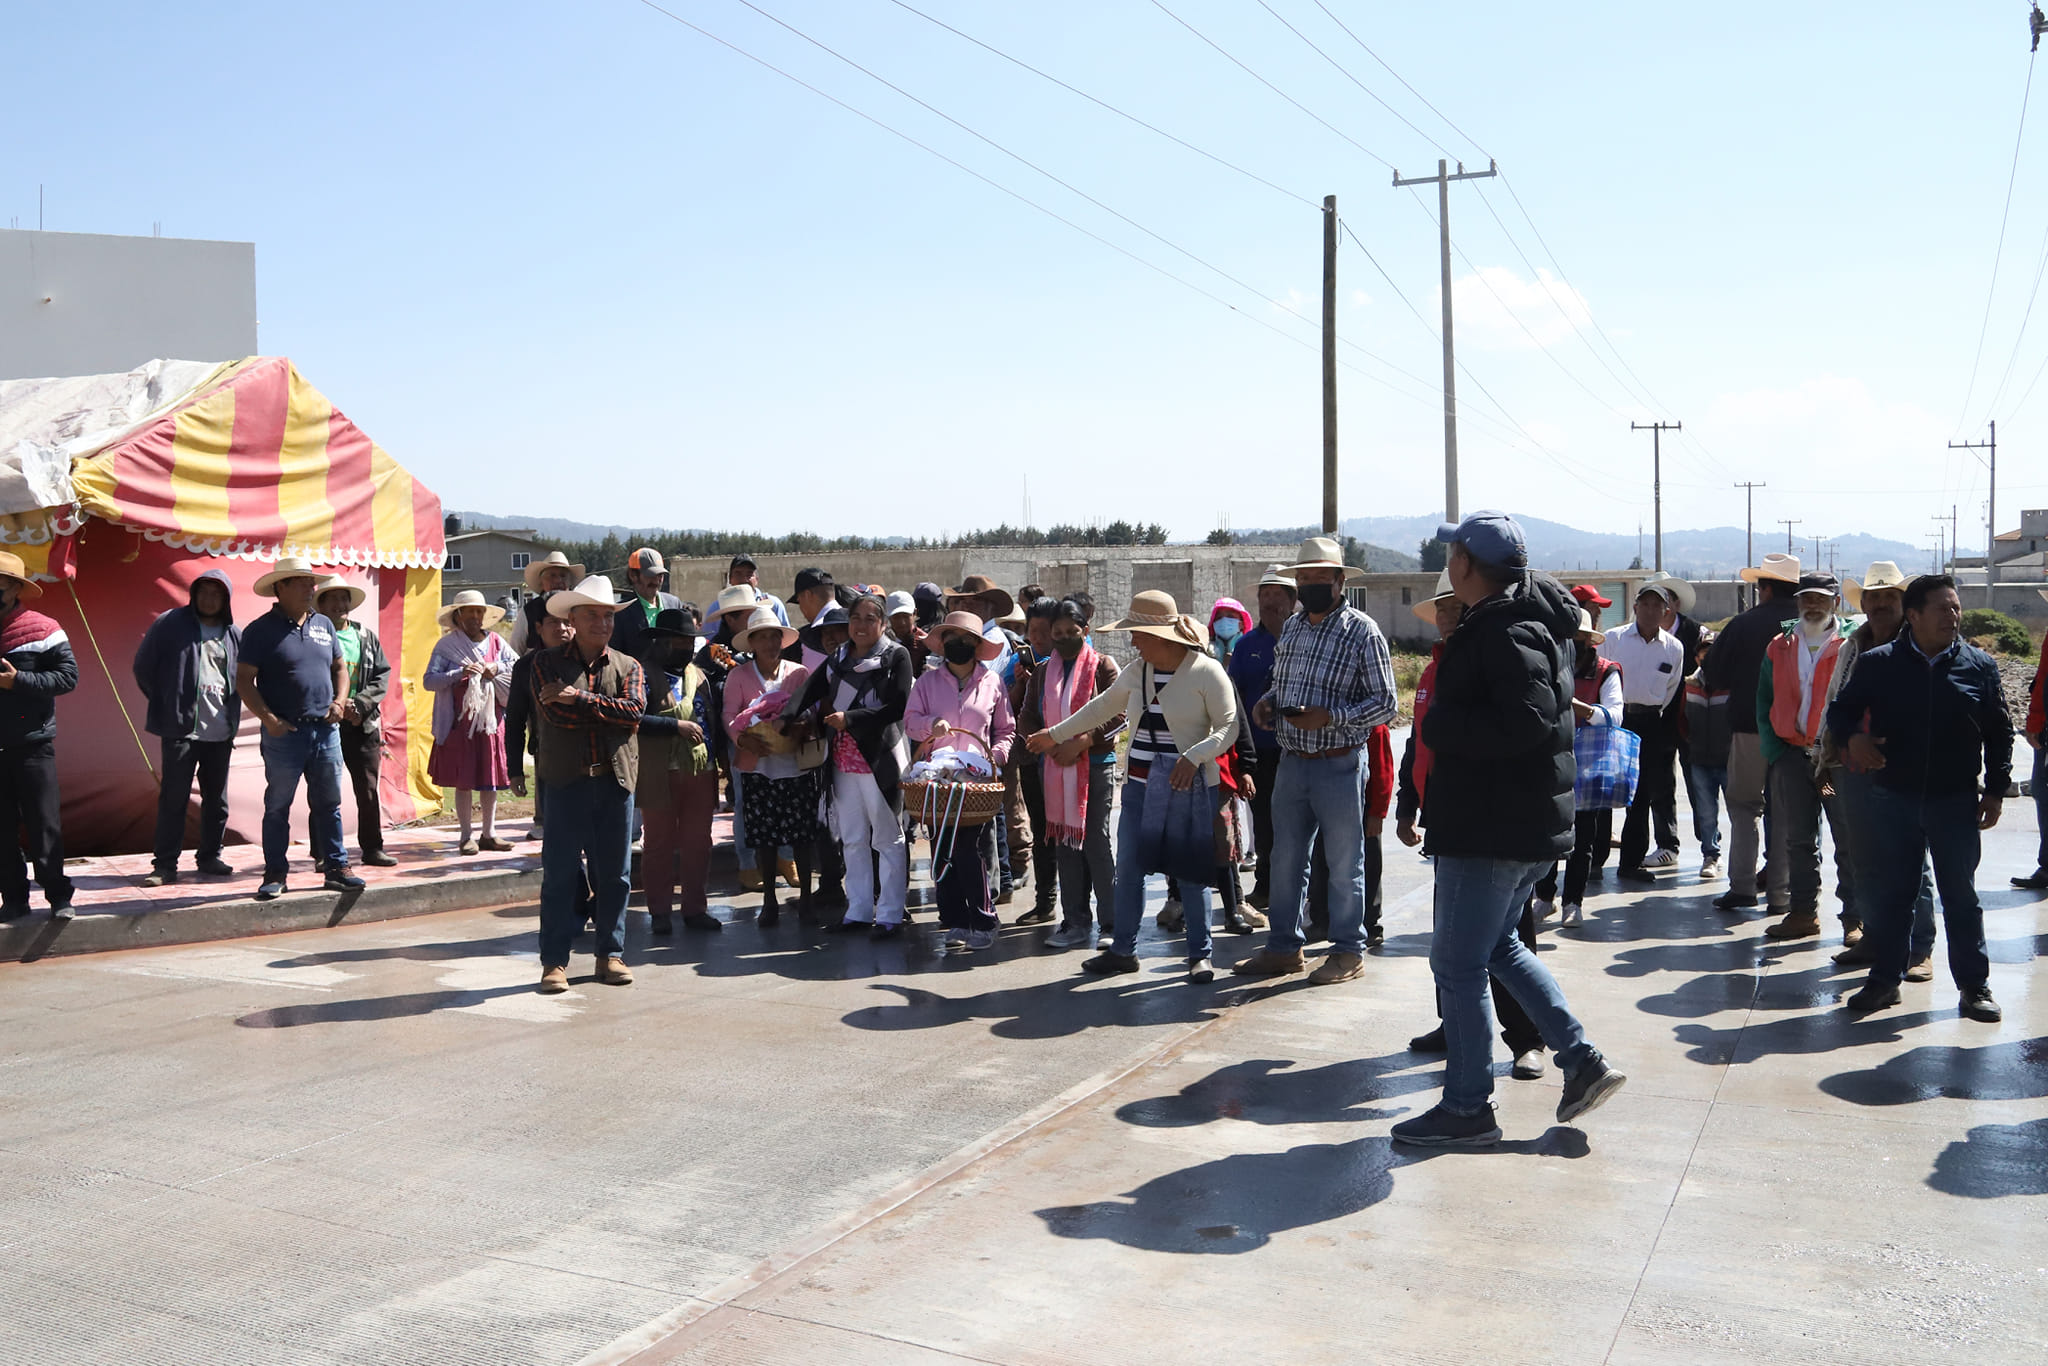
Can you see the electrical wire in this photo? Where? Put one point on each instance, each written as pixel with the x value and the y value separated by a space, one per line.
pixel 1404 84
pixel 1346 73
pixel 1991 294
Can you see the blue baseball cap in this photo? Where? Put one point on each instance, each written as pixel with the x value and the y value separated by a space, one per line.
pixel 1492 538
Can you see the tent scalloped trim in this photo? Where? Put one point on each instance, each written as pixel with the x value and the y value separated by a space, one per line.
pixel 353 557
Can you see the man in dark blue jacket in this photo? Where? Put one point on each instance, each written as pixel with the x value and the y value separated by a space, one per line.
pixel 185 668
pixel 1923 715
pixel 36 668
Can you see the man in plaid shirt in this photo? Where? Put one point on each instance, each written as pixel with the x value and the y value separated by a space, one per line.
pixel 1333 681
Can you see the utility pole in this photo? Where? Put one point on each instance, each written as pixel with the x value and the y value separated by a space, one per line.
pixel 1789 523
pixel 1990 512
pixel 1951 532
pixel 1749 488
pixel 1443 179
pixel 1941 524
pixel 1656 431
pixel 1816 549
pixel 1330 364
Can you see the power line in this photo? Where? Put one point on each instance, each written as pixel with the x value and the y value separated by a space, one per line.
pixel 1404 83
pixel 1120 113
pixel 1346 73
pixel 1991 294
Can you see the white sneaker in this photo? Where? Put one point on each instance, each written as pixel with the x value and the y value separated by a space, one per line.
pixel 1573 913
pixel 1070 937
pixel 1544 908
pixel 1710 870
pixel 1201 971
pixel 980 939
pixel 1663 858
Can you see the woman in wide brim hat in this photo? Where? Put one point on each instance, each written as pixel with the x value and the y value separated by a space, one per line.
pixel 289 567
pixel 470 676
pixel 966 624
pixel 778 797
pixel 555 559
pixel 468 597
pixel 1426 609
pixel 1154 613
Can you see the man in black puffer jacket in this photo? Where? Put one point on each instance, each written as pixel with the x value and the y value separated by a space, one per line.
pixel 1499 812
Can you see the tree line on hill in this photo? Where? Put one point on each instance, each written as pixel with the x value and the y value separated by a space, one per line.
pixel 611 551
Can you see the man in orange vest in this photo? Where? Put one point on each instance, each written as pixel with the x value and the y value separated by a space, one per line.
pixel 1791 706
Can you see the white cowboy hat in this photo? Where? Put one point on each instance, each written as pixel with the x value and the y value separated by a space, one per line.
pixel 1153 613
pixel 1426 609
pixel 1783 568
pixel 469 597
pixel 1321 552
pixel 738 597
pixel 357 594
pixel 1882 574
pixel 290 567
pixel 1587 628
pixel 764 619
pixel 555 559
pixel 1685 596
pixel 594 591
pixel 1276 577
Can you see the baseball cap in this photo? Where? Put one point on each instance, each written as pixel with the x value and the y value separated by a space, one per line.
pixel 1817 581
pixel 808 579
pixel 647 560
pixel 1588 595
pixel 1490 537
pixel 899 603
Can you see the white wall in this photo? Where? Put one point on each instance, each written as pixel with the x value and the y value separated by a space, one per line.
pixel 85 304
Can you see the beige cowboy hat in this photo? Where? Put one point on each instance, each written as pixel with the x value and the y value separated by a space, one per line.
pixel 555 559
pixel 357 594
pixel 11 567
pixel 1683 595
pixel 469 597
pixel 593 591
pixel 1882 574
pixel 1426 609
pixel 1153 613
pixel 1276 577
pixel 969 624
pixel 1588 631
pixel 1321 552
pixel 738 597
pixel 1783 568
pixel 982 586
pixel 290 567
pixel 764 619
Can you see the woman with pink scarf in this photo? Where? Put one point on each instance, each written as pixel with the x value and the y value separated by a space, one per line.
pixel 470 675
pixel 1078 778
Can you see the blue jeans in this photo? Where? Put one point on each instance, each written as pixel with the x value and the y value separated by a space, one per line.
pixel 1478 907
pixel 1312 797
pixel 1905 831
pixel 312 752
pixel 588 819
pixel 1706 787
pixel 1130 885
pixel 1854 794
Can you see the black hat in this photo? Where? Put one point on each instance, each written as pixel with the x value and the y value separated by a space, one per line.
pixel 674 622
pixel 834 615
pixel 1814 581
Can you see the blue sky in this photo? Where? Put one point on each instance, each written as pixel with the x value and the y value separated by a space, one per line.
pixel 576 259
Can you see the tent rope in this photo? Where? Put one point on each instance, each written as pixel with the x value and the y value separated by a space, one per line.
pixel 113 684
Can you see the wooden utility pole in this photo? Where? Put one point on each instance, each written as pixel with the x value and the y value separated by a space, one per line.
pixel 1442 180
pixel 1990 512
pixel 1749 489
pixel 1330 365
pixel 1789 523
pixel 1656 431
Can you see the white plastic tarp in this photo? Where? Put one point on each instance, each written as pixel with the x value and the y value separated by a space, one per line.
pixel 45 424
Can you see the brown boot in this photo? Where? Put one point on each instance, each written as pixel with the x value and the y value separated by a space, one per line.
pixel 1337 966
pixel 613 972
pixel 1852 933
pixel 554 980
pixel 1795 925
pixel 1921 969
pixel 1269 963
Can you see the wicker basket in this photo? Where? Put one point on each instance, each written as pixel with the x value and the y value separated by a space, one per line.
pixel 948 802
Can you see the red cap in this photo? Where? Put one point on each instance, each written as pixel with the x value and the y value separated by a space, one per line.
pixel 1590 596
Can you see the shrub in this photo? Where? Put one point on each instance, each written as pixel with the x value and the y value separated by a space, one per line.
pixel 2007 635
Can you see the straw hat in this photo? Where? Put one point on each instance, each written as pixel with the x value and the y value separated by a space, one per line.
pixel 1783 568
pixel 1276 577
pixel 1153 613
pixel 1426 609
pixel 593 591
pixel 1882 574
pixel 982 586
pixel 357 594
pixel 968 624
pixel 554 559
pixel 764 619
pixel 1683 595
pixel 290 567
pixel 1321 552
pixel 469 597
pixel 740 597
pixel 11 567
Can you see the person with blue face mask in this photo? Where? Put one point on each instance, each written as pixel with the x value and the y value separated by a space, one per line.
pixel 1228 621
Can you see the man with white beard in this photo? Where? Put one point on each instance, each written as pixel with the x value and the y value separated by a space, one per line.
pixel 1792 694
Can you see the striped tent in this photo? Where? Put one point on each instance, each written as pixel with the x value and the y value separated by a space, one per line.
pixel 231 467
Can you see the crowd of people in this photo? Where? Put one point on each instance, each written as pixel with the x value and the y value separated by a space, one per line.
pixel 1253 739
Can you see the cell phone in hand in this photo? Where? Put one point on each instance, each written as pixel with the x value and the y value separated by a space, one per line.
pixel 1294 711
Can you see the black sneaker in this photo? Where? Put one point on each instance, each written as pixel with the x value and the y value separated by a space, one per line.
pixel 1037 915
pixel 704 923
pixel 1636 875
pixel 1734 901
pixel 66 912
pixel 214 867
pixel 1874 996
pixel 1441 1128
pixel 377 858
pixel 885 931
pixel 1375 936
pixel 1432 1042
pixel 160 877
pixel 1976 1004
pixel 12 911
pixel 270 891
pixel 2034 881
pixel 340 879
pixel 1109 962
pixel 661 925
pixel 1587 1089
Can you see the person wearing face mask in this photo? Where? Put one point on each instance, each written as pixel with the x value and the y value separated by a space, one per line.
pixel 1792 691
pixel 964 699
pixel 677 786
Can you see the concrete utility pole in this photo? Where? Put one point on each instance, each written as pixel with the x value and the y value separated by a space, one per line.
pixel 1656 431
pixel 1789 523
pixel 1816 549
pixel 1940 526
pixel 1990 512
pixel 1330 365
pixel 1443 179
pixel 1749 489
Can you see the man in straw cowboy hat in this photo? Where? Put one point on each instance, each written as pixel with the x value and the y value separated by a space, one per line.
pixel 1333 681
pixel 185 669
pixel 552 573
pixel 1881 597
pixel 1499 813
pixel 1793 687
pixel 589 697
pixel 36 668
pixel 293 676
pixel 1251 670
pixel 362 708
pixel 2037 718
pixel 1731 667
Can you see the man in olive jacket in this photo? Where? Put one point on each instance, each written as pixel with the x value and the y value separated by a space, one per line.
pixel 1499 813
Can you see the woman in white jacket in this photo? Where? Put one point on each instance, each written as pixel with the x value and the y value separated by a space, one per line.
pixel 1182 712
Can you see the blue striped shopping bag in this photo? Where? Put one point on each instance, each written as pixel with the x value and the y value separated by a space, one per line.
pixel 1610 760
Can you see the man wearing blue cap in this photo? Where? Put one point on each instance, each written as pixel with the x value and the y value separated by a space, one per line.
pixel 1499 814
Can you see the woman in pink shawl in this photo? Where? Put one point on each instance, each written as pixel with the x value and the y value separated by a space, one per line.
pixel 1078 778
pixel 470 675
